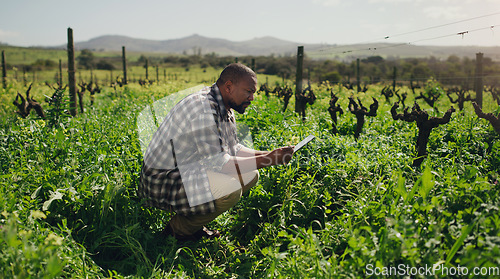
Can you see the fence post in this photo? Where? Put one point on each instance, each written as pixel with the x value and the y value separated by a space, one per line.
pixel 478 82
pixel 298 76
pixel 358 81
pixel 253 64
pixel 24 76
pixel 394 75
pixel 4 70
pixel 124 62
pixel 147 66
pixel 71 72
pixel 60 72
pixel 157 76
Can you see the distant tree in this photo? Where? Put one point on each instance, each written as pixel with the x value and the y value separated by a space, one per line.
pixel 105 65
pixel 172 59
pixel 373 59
pixel 43 64
pixel 142 59
pixel 421 71
pixel 86 59
pixel 333 77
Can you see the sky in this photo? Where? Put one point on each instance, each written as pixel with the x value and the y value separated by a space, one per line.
pixel 417 22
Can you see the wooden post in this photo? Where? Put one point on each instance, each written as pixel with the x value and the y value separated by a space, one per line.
pixel 24 76
pixel 157 75
pixel 298 76
pixel 253 64
pixel 4 70
pixel 147 66
pixel 124 62
pixel 478 84
pixel 71 72
pixel 394 75
pixel 60 72
pixel 164 74
pixel 358 81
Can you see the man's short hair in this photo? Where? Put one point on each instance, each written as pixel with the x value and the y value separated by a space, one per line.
pixel 235 72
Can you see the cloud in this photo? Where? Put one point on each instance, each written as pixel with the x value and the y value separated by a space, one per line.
pixel 7 34
pixel 327 3
pixel 446 13
pixel 392 1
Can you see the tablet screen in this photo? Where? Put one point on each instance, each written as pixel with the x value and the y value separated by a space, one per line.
pixel 302 143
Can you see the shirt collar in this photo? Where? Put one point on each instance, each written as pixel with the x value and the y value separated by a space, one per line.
pixel 215 92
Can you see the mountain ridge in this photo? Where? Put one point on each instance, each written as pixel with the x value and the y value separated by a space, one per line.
pixel 268 45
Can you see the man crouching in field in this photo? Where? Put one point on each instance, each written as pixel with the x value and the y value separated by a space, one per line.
pixel 195 165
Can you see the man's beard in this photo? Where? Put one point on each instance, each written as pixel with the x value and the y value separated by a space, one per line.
pixel 239 108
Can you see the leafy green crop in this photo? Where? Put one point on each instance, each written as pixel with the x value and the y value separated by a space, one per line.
pixel 69 207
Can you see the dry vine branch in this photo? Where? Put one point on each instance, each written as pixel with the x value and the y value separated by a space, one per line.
pixel 364 88
pixel 360 112
pixel 388 93
pixel 24 108
pixel 402 98
pixel 333 109
pixel 264 88
pixel 430 97
pixel 81 92
pixel 93 88
pixel 424 124
pixel 494 120
pixel 305 97
pixel 461 96
pixel 286 93
pixel 495 93
pixel 59 87
pixel 348 85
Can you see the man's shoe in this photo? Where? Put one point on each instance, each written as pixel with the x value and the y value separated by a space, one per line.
pixel 210 234
pixel 204 232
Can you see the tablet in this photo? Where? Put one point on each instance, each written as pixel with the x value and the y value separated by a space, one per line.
pixel 302 143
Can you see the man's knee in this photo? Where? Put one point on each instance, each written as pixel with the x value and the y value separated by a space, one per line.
pixel 226 202
pixel 227 192
pixel 250 179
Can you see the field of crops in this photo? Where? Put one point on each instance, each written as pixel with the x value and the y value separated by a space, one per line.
pixel 341 208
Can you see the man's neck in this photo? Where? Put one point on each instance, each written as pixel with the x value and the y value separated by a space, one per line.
pixel 225 99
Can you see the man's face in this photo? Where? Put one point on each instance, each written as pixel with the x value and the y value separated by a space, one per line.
pixel 242 94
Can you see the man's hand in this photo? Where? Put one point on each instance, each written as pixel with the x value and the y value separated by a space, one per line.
pixel 280 156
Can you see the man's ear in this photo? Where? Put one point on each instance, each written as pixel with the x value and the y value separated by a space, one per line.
pixel 228 86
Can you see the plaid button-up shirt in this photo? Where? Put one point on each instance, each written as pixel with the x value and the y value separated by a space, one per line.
pixel 197 135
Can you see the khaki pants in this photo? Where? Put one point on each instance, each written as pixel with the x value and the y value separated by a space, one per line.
pixel 227 191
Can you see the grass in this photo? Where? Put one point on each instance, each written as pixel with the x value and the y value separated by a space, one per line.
pixel 69 207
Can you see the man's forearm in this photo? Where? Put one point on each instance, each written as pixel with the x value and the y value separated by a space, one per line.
pixel 246 164
pixel 243 164
pixel 248 152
